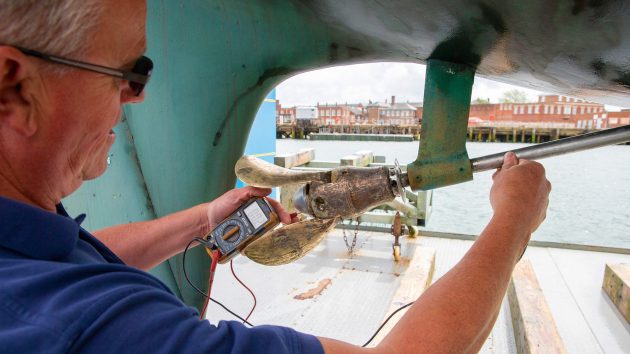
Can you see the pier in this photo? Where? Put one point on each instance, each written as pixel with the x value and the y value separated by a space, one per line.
pixel 301 131
pixel 487 132
pixel 522 133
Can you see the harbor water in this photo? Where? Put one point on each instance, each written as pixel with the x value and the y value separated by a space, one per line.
pixel 589 203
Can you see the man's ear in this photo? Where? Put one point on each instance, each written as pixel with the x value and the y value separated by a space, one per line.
pixel 16 110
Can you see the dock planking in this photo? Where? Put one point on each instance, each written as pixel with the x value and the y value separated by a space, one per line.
pixel 413 282
pixel 535 330
pixel 617 287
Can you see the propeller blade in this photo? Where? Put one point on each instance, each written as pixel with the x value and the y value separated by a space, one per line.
pixel 290 242
pixel 260 173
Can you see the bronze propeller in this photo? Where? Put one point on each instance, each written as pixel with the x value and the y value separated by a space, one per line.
pixel 325 196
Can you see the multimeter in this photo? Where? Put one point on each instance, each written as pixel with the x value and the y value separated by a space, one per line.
pixel 250 221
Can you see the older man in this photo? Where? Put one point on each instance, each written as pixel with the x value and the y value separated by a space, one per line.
pixel 64 291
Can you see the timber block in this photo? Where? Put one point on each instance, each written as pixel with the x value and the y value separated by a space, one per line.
pixel 535 330
pixel 296 159
pixel 414 280
pixel 359 159
pixel 617 286
pixel 379 159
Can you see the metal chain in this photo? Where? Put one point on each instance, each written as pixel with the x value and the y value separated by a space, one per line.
pixel 354 239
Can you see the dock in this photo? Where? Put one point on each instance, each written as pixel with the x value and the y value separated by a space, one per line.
pixel 365 286
pixel 486 132
pixel 361 137
pixel 521 134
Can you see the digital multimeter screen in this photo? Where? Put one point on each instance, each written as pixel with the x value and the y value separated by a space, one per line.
pixel 255 215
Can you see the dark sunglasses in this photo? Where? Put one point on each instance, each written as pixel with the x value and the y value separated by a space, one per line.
pixel 138 77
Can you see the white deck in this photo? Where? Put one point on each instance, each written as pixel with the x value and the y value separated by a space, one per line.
pixel 356 301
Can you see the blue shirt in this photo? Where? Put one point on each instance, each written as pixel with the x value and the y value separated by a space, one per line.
pixel 61 290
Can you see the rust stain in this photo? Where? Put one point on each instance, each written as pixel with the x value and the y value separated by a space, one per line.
pixel 323 284
pixel 405 261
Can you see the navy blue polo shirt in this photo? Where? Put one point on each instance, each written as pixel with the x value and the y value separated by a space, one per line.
pixel 61 290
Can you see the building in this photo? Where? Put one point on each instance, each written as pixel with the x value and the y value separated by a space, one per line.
pixel 483 111
pixel 399 114
pixel 285 115
pixel 334 114
pixel 374 112
pixel 394 113
pixel 554 109
pixel 548 109
pixel 418 106
pixel 617 119
pixel 358 114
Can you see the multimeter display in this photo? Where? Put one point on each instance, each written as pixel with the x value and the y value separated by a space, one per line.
pixel 255 215
pixel 246 224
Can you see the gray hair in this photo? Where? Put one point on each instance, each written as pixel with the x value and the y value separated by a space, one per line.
pixel 58 27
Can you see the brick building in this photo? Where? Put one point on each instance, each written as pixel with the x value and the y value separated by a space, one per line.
pixel 394 113
pixel 285 115
pixel 606 120
pixel 399 114
pixel 484 111
pixel 617 119
pixel 335 114
pixel 550 108
pixel 547 109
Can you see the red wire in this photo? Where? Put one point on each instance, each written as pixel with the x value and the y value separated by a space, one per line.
pixel 213 267
pixel 248 289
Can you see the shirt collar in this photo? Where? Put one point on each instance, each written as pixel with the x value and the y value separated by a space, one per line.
pixel 35 232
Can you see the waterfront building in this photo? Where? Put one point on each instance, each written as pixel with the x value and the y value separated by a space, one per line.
pixel 555 110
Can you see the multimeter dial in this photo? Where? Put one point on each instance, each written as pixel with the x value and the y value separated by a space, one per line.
pixel 247 223
pixel 231 233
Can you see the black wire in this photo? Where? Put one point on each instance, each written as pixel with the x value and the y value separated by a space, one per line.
pixel 205 243
pixel 385 322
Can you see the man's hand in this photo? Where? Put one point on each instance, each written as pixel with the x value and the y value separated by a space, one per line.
pixel 223 206
pixel 520 192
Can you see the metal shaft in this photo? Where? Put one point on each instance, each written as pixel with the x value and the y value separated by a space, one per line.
pixel 558 147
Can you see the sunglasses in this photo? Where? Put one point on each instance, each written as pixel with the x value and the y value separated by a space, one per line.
pixel 138 77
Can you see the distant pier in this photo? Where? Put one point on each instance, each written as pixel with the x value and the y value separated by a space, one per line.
pixel 521 134
pixel 361 137
pixel 499 132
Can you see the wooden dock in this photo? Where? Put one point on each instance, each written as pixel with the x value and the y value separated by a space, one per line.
pixel 516 133
pixel 521 134
pixel 361 137
pixel 365 286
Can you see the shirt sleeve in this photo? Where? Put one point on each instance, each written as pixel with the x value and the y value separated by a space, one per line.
pixel 145 319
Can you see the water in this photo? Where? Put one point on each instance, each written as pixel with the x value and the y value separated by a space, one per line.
pixel 589 202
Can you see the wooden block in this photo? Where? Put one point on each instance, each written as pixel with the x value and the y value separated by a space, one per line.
pixel 617 286
pixel 535 330
pixel 414 280
pixel 299 158
pixel 350 160
pixel 379 159
pixel 358 159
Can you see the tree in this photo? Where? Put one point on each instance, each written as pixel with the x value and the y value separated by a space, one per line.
pixel 481 101
pixel 514 96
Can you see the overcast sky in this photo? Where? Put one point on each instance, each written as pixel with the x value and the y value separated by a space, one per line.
pixel 376 82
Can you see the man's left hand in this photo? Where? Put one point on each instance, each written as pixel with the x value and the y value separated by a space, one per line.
pixel 226 204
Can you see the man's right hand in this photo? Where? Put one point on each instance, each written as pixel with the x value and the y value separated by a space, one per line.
pixel 520 192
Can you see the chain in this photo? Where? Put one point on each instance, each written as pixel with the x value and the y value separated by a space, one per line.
pixel 354 239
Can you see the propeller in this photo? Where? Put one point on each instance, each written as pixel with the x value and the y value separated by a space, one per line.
pixel 290 242
pixel 260 173
pixel 327 197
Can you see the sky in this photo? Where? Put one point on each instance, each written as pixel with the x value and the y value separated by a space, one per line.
pixel 376 82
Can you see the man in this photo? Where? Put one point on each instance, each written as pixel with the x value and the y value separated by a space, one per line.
pixel 64 291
